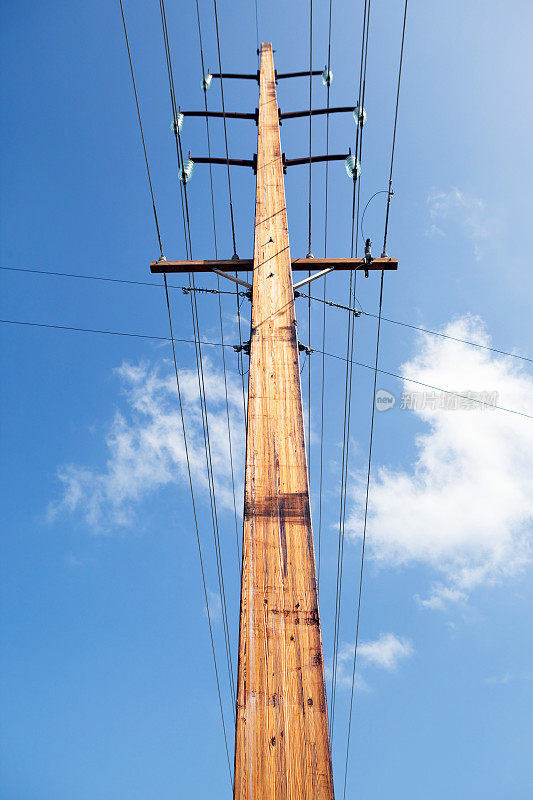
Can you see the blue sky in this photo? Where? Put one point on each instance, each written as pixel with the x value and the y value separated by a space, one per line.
pixel 107 683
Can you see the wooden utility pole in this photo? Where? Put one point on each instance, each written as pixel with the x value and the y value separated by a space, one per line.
pixel 282 746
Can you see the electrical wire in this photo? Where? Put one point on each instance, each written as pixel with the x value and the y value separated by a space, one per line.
pixel 349 367
pixel 201 379
pixel 323 376
pixel 360 311
pixel 331 303
pixel 309 253
pixel 167 53
pixel 219 299
pixel 364 536
pixel 257 29
pixel 107 279
pixel 358 615
pixel 206 597
pixel 235 256
pixel 225 131
pixel 336 356
pixel 141 127
pixel 394 134
pixel 199 368
pixel 380 191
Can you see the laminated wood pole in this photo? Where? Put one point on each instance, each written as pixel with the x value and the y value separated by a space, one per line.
pixel 282 749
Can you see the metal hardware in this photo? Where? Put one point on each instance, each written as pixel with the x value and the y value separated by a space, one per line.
pixel 304 74
pixel 222 114
pixel 315 112
pixel 327 77
pixel 242 348
pixel 185 172
pixel 232 278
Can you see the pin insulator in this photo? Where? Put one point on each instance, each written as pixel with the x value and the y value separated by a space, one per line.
pixel 353 166
pixel 186 171
pixel 327 77
pixel 359 115
pixel 177 124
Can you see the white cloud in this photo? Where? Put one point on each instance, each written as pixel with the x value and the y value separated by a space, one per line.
pixel 465 507
pixel 457 208
pixel 507 677
pixel 499 680
pixel 146 447
pixel 215 606
pixel 385 652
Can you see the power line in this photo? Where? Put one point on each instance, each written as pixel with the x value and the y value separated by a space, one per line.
pixel 257 29
pixel 309 253
pixel 225 130
pixel 106 279
pixel 389 196
pixel 360 311
pixel 175 361
pixel 232 221
pixel 94 330
pixel 199 368
pixel 217 291
pixel 356 198
pixel 219 344
pixel 141 127
pixel 206 597
pixel 219 300
pixel 323 376
pixel 310 117
pixel 364 533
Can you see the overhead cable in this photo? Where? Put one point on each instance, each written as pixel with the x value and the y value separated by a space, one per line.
pixel 219 344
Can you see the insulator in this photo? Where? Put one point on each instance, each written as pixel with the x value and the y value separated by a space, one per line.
pixel 327 77
pixel 177 124
pixel 185 172
pixel 353 166
pixel 206 81
pixel 359 115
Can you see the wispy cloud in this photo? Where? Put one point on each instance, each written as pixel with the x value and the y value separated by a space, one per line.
pixel 215 606
pixel 465 507
pixel 499 680
pixel 386 652
pixel 507 677
pixel 455 208
pixel 146 447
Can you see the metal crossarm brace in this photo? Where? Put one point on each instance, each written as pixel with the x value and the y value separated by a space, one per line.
pixel 232 278
pixel 239 75
pixel 314 111
pixel 294 162
pixel 223 114
pixel 233 162
pixel 304 74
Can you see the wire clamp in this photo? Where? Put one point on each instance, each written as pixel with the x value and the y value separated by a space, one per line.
pixel 242 348
pixel 368 255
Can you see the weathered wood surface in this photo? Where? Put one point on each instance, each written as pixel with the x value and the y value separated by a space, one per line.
pixel 282 742
pixel 246 264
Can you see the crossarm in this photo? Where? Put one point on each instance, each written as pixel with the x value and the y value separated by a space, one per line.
pixel 246 265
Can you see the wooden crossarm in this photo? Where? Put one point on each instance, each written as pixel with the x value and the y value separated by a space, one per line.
pixel 246 265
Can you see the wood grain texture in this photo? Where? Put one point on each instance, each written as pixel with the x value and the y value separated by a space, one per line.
pixel 282 747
